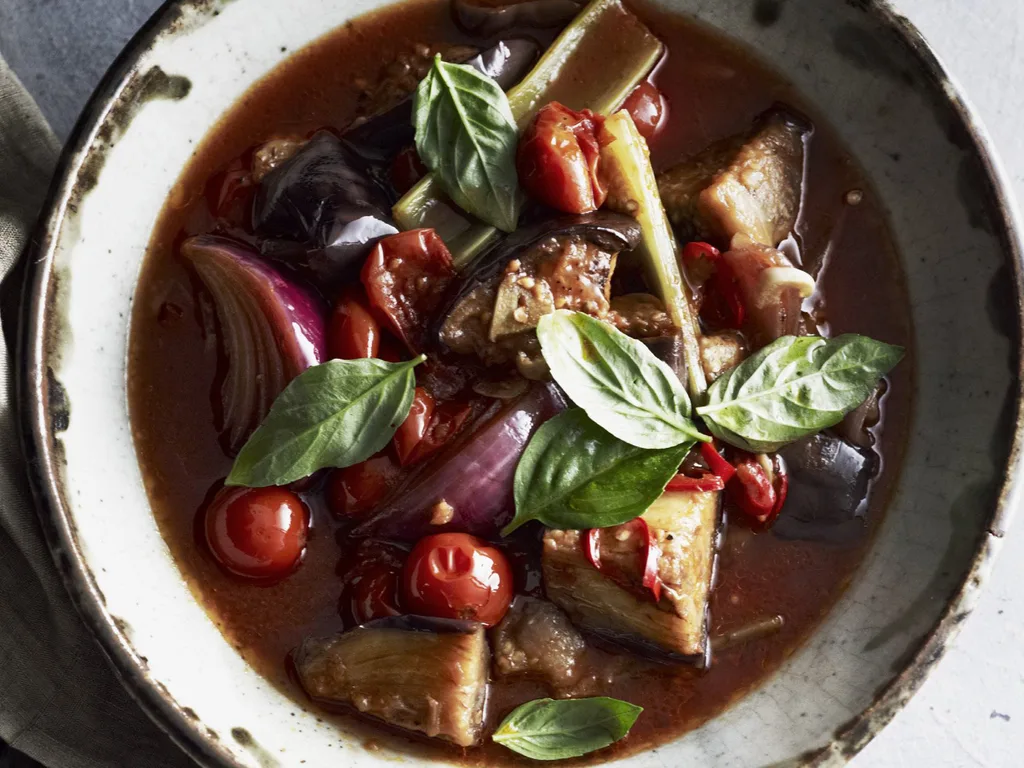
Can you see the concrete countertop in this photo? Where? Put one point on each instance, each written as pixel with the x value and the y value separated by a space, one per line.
pixel 970 712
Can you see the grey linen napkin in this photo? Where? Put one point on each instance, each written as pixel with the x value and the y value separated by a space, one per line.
pixel 60 702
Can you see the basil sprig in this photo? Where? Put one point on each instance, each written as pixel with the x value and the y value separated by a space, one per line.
pixel 794 387
pixel 466 135
pixel 335 414
pixel 549 729
pixel 574 474
pixel 617 380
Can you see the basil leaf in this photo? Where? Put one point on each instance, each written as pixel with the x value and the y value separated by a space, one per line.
pixel 466 135
pixel 620 383
pixel 794 387
pixel 574 474
pixel 331 415
pixel 546 729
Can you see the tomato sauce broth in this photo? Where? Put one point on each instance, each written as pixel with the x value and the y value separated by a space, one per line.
pixel 714 89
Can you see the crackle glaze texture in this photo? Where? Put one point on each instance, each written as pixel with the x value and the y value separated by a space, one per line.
pixel 901 119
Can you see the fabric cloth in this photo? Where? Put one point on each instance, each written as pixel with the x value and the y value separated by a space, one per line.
pixel 60 702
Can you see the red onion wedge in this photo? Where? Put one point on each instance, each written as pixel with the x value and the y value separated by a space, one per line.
pixel 473 477
pixel 270 330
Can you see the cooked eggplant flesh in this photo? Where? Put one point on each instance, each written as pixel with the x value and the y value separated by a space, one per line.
pixel 537 640
pixel 749 185
pixel 721 351
pixel 565 263
pixel 684 528
pixel 421 674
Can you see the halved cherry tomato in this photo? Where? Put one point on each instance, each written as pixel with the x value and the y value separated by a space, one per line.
pixel 370 586
pixel 356 490
pixel 406 170
pixel 412 430
pixel 457 576
pixel 650 580
pixel 557 159
pixel 646 105
pixel 353 332
pixel 406 277
pixel 258 533
pixel 447 421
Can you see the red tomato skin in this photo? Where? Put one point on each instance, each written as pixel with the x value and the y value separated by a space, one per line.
pixel 257 533
pixel 412 430
pixel 446 422
pixel 457 576
pixel 354 491
pixel 557 160
pixel 370 585
pixel 353 332
pixel 406 277
pixel 646 105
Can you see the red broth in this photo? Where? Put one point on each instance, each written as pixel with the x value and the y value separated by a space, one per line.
pixel 714 88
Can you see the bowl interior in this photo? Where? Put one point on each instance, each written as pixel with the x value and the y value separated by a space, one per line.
pixel 901 119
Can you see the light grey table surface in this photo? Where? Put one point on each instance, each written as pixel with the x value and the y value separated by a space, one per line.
pixel 970 712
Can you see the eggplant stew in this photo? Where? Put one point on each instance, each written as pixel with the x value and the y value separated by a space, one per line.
pixel 520 382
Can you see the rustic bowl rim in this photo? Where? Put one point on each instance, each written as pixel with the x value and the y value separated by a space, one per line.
pixel 35 405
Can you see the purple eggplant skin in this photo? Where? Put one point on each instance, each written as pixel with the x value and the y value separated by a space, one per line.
pixel 829 480
pixel 474 476
pixel 384 135
pixel 270 329
pixel 487 21
pixel 325 206
pixel 412 623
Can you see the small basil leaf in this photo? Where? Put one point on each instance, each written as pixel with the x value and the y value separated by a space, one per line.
pixel 794 387
pixel 331 415
pixel 574 474
pixel 617 380
pixel 466 135
pixel 546 729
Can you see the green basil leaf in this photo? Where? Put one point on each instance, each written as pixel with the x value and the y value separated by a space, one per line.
pixel 466 135
pixel 546 729
pixel 620 383
pixel 574 474
pixel 794 387
pixel 331 415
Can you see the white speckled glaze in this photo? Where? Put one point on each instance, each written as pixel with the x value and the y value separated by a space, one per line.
pixel 902 119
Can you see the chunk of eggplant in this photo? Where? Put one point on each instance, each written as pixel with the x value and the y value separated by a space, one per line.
pixel 386 133
pixel 829 481
pixel 421 674
pixel 748 185
pixel 475 18
pixel 537 640
pixel 684 528
pixel 566 262
pixel 721 351
pixel 325 206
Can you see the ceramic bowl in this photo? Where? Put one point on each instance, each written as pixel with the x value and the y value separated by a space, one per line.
pixel 906 123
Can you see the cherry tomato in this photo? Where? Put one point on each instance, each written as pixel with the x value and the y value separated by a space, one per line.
pixel 414 427
pixel 230 193
pixel 406 170
pixel 353 332
pixel 557 159
pixel 370 586
pixel 445 424
pixel 356 490
pixel 406 277
pixel 646 105
pixel 258 533
pixel 457 576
